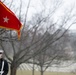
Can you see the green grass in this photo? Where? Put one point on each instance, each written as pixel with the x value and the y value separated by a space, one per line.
pixel 46 73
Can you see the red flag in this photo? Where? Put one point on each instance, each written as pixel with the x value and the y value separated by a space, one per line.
pixel 8 19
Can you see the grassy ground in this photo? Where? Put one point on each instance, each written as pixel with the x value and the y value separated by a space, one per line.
pixel 46 73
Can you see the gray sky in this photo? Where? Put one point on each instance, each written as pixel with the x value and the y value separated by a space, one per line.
pixel 37 6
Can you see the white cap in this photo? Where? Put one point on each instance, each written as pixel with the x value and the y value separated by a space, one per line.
pixel 1 51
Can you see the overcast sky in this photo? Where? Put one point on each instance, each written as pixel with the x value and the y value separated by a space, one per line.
pixel 37 6
pixel 70 3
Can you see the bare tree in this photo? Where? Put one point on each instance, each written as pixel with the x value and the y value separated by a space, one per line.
pixel 33 36
pixel 54 54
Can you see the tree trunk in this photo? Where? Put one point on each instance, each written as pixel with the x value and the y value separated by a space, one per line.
pixel 33 67
pixel 13 70
pixel 33 70
pixel 42 72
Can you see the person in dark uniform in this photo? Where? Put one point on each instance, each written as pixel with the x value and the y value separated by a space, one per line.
pixel 3 64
